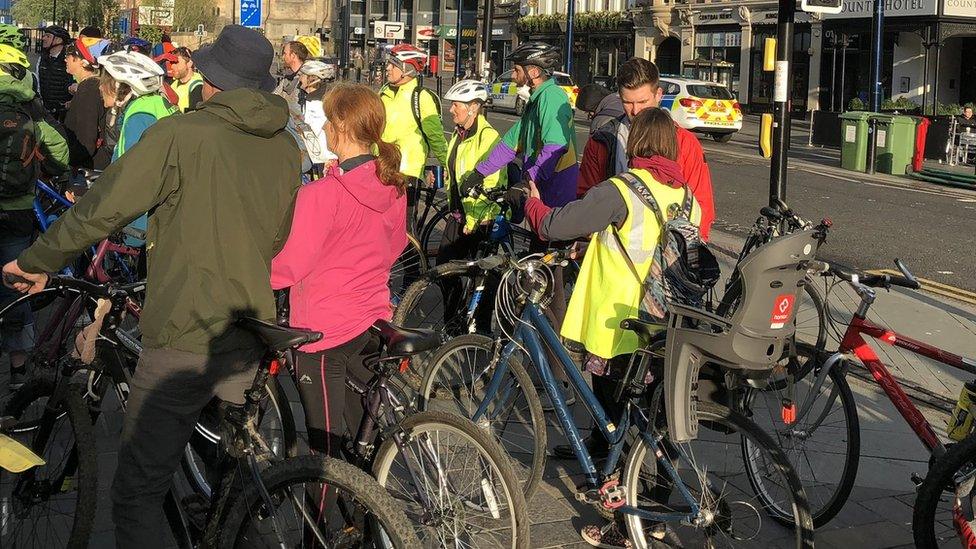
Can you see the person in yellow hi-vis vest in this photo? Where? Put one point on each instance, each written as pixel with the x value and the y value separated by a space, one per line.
pixel 625 234
pixel 413 116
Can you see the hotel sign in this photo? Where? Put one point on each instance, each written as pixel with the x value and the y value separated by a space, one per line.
pixel 893 8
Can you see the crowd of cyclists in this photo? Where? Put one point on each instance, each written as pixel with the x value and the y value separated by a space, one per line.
pixel 218 194
pixel 235 185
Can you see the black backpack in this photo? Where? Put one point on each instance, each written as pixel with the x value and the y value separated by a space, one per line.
pixel 20 153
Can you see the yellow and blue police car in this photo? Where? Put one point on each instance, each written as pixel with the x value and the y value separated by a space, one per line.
pixel 703 107
pixel 504 94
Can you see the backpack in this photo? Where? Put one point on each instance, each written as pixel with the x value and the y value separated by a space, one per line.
pixel 415 107
pixel 20 152
pixel 684 269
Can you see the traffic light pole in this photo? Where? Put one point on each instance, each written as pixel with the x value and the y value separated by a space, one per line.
pixel 486 35
pixel 781 101
pixel 457 43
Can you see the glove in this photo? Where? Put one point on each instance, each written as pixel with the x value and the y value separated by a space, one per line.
pixel 515 197
pixel 471 181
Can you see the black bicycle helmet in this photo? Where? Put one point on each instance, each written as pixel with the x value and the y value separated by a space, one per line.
pixel 545 56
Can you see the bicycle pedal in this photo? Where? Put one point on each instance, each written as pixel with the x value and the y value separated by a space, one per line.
pixel 612 495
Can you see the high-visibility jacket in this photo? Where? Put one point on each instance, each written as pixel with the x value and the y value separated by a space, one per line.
pixel 402 128
pixel 183 91
pixel 607 289
pixel 463 156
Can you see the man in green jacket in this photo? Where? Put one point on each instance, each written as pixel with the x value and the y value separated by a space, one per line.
pixel 19 168
pixel 219 184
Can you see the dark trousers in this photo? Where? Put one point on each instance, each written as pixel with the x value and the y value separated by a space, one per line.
pixel 333 412
pixel 168 391
pixel 17 328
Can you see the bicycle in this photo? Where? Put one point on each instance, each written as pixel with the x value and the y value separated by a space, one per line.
pixel 455 480
pixel 944 512
pixel 658 465
pixel 823 439
pixel 413 262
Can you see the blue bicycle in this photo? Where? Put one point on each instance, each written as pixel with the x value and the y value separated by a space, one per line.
pixel 698 488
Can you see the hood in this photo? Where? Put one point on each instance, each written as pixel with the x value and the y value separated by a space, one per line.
pixel 16 91
pixel 611 105
pixel 361 182
pixel 255 112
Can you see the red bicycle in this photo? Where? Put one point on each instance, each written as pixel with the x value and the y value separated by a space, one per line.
pixel 814 415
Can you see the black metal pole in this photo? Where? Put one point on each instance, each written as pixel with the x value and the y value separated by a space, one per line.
pixel 457 42
pixel 872 143
pixel 781 101
pixel 925 69
pixel 833 77
pixel 570 15
pixel 54 13
pixel 843 71
pixel 938 66
pixel 877 42
pixel 486 35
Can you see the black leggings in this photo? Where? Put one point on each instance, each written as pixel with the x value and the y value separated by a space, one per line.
pixel 333 412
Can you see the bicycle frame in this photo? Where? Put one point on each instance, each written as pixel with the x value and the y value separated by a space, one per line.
pixel 533 324
pixel 855 343
pixel 42 219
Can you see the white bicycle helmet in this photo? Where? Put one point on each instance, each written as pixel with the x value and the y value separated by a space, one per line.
pixel 141 73
pixel 317 69
pixel 467 91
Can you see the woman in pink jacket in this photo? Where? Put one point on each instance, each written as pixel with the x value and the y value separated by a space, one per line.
pixel 348 229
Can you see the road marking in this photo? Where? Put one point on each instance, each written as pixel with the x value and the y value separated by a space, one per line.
pixel 966 200
pixel 936 287
pixel 842 178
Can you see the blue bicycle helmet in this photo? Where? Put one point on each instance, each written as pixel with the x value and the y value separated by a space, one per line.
pixel 134 43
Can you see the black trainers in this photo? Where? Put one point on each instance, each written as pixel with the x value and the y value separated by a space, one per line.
pixel 595 444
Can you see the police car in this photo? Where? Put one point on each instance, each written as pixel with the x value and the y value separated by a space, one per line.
pixel 504 94
pixel 703 107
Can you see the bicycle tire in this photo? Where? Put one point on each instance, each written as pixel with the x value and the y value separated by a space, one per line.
pixel 933 491
pixel 729 421
pixel 809 463
pixel 529 474
pixel 410 265
pixel 318 469
pixel 439 219
pixel 405 314
pixel 85 476
pixel 200 447
pixel 420 423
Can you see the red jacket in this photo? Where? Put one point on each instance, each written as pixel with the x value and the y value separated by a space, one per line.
pixel 691 159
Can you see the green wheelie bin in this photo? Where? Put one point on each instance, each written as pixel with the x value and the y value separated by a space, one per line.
pixel 854 140
pixel 895 138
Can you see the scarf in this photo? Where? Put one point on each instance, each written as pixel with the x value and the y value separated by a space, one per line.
pixel 664 170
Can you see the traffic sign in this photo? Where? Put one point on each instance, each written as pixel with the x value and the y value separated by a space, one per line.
pixel 822 6
pixel 388 30
pixel 251 13
pixel 201 31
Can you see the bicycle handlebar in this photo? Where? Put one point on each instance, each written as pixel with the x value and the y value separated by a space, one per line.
pixel 856 277
pixel 107 291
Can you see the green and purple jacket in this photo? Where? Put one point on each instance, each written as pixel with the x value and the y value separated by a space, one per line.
pixel 545 139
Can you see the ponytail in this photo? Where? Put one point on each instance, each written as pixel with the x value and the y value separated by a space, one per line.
pixel 388 166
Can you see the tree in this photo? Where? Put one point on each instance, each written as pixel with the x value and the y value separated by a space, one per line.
pixel 187 14
pixel 86 12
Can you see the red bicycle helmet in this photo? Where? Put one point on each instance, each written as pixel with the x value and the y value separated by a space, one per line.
pixel 408 58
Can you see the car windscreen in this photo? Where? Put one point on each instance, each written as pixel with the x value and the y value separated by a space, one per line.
pixel 709 91
pixel 564 80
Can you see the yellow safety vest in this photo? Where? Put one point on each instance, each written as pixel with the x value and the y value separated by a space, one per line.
pixel 183 90
pixel 607 290
pixel 401 126
pixel 470 152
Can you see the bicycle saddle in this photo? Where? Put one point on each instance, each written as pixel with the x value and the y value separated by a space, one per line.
pixel 644 329
pixel 405 341
pixel 278 338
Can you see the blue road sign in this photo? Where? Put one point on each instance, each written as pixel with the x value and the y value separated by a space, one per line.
pixel 251 13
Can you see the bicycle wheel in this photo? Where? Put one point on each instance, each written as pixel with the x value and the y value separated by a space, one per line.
pixel 433 233
pixel 711 468
pixel 823 446
pixel 456 381
pixel 51 506
pixel 316 496
pixel 938 511
pixel 276 424
pixel 457 484
pixel 410 266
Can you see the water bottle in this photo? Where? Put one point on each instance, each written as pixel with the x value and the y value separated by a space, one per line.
pixel 961 421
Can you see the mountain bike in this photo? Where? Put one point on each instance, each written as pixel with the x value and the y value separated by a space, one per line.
pixel 821 435
pixel 944 513
pixel 689 485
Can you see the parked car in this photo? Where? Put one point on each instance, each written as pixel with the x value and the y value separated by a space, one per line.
pixel 703 107
pixel 504 94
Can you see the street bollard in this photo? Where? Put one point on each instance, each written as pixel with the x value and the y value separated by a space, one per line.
pixel 872 144
pixel 439 84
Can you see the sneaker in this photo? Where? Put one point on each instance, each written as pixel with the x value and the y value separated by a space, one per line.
pixel 608 536
pixel 18 376
pixel 547 406
pixel 595 444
